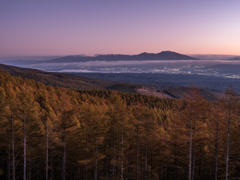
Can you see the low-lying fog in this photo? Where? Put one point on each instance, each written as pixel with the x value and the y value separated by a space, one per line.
pixel 147 62
pixel 220 68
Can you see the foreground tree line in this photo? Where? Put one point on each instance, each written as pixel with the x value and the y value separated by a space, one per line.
pixel 56 133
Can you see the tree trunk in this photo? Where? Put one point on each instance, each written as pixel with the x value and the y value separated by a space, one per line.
pixel 146 154
pixel 47 150
pixel 228 144
pixel 193 159
pixel 190 152
pixel 9 157
pixel 163 173
pixel 122 155
pixel 96 154
pixel 86 146
pixel 64 155
pixel 137 151
pixel 175 168
pixel 193 151
pixel 113 157
pixel 25 148
pixel 200 166
pixel 96 167
pixel 216 154
pixel 51 166
pixel 167 172
pixel 185 173
pixel 29 165
pixel 13 156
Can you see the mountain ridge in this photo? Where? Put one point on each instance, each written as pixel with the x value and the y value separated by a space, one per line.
pixel 164 55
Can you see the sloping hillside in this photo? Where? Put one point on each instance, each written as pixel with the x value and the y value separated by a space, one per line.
pixel 78 82
pixel 67 80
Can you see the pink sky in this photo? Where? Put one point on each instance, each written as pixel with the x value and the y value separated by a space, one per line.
pixel 45 28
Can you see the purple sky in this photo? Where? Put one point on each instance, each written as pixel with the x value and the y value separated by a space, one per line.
pixel 46 28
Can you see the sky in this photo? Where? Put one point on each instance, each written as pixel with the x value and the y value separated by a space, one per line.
pixel 76 27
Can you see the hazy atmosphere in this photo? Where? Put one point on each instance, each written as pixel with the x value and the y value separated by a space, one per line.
pixel 59 28
pixel 119 90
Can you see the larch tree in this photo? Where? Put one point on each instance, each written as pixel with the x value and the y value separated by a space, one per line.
pixel 46 101
pixel 12 101
pixel 230 102
pixel 67 123
pixel 28 111
pixel 216 131
pixel 2 125
pixel 192 116
pixel 137 131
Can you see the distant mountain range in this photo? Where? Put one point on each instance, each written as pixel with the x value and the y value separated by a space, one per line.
pixel 164 55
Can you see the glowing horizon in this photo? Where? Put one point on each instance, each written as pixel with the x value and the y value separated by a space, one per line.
pixel 32 28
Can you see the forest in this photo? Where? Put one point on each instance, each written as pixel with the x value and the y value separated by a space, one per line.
pixel 56 133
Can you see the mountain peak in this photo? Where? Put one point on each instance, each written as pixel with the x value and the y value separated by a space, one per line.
pixel 167 52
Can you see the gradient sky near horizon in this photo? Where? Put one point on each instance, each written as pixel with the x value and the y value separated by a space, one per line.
pixel 45 28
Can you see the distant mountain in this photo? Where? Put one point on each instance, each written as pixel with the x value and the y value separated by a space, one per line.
pixel 235 58
pixel 164 55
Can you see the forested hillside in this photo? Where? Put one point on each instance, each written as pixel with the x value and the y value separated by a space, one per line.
pixel 67 80
pixel 73 81
pixel 57 133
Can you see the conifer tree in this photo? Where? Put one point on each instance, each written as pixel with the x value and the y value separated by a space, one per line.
pixel 190 119
pixel 11 98
pixel 230 101
pixel 67 123
pixel 2 129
